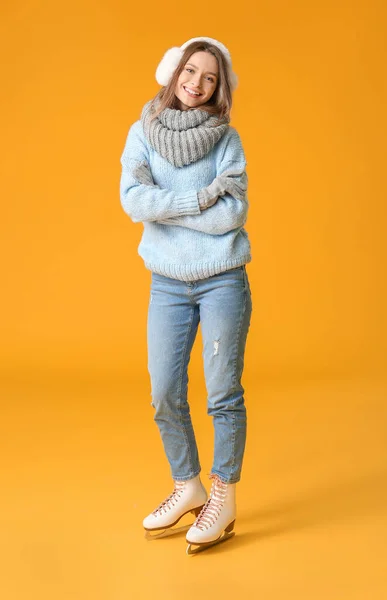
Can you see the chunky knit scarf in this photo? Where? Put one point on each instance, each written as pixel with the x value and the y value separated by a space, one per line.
pixel 182 136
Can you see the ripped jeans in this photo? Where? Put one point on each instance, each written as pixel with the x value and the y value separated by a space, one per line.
pixel 222 304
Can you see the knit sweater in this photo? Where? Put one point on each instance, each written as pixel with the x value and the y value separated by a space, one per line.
pixel 179 240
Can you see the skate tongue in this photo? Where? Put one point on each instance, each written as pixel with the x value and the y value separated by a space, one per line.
pixel 209 513
pixel 167 504
pixel 212 508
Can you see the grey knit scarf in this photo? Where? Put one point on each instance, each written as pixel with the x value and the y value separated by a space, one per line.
pixel 182 136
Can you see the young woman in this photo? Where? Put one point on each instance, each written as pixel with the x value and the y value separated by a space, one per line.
pixel 183 177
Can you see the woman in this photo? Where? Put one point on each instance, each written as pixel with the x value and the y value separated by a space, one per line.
pixel 184 178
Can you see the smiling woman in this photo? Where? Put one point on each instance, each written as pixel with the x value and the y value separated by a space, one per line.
pixel 183 176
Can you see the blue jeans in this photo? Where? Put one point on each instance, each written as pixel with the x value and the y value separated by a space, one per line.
pixel 222 304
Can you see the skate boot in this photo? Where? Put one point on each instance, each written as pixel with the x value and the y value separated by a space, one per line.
pixel 215 522
pixel 187 496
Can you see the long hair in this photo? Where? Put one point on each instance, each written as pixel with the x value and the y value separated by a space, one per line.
pixel 221 100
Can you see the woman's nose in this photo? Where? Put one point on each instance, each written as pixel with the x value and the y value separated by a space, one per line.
pixel 195 80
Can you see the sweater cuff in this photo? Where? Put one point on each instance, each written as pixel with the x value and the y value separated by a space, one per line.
pixel 188 204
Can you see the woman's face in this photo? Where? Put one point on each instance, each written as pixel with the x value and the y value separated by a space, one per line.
pixel 197 81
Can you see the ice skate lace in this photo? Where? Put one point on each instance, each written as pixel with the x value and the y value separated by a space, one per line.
pixel 212 508
pixel 171 500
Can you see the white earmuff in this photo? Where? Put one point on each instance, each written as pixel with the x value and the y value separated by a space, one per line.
pixel 168 65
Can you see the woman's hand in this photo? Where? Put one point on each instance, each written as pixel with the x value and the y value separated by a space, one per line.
pixel 231 181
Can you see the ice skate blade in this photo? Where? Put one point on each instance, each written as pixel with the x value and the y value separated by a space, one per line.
pixel 158 534
pixel 200 547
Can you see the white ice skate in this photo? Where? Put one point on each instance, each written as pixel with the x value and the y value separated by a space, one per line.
pixel 187 496
pixel 216 520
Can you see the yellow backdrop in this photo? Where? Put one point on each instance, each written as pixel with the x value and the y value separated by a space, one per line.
pixel 310 109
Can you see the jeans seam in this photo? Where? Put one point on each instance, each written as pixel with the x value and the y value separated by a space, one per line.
pixel 243 312
pixel 234 383
pixel 233 439
pixel 180 386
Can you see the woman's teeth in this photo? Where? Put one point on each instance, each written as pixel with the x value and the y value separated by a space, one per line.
pixel 195 95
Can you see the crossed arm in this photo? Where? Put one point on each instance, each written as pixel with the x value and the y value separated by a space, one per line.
pixel 223 203
pixel 220 207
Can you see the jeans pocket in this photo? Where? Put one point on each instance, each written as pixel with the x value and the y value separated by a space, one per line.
pixel 246 279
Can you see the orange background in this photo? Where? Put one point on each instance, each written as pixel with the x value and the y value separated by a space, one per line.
pixel 310 109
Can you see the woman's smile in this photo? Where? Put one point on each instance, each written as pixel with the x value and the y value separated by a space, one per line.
pixel 191 92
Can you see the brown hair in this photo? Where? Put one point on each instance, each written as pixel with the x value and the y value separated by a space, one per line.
pixel 221 100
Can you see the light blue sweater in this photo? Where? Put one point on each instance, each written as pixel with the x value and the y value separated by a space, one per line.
pixel 179 240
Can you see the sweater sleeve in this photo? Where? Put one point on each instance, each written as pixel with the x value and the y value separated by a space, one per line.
pixel 142 202
pixel 228 212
